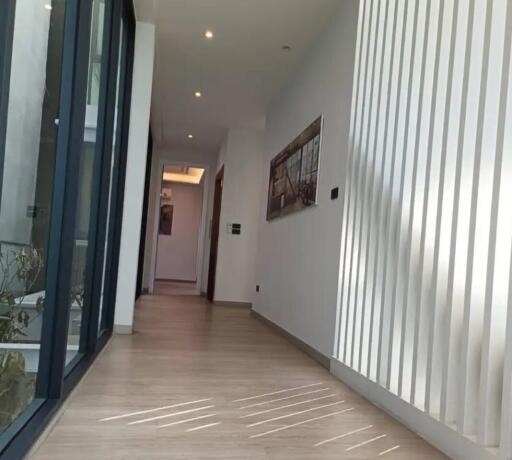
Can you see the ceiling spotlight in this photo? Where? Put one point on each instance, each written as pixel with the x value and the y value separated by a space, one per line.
pixel 286 48
pixel 190 136
pixel 208 34
pixel 48 6
pixel 198 94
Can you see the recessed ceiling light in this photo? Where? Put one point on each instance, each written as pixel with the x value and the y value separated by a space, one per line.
pixel 286 48
pixel 198 94
pixel 208 34
pixel 48 6
pixel 190 136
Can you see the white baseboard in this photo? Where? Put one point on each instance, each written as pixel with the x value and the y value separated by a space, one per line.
pixel 123 329
pixel 441 436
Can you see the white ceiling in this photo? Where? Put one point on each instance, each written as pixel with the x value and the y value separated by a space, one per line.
pixel 238 71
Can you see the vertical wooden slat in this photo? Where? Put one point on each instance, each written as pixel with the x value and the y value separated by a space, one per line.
pixel 412 196
pixel 365 154
pixel 385 330
pixel 406 173
pixel 376 193
pixel 342 308
pixel 368 196
pixel 429 179
pixel 361 164
pixel 354 184
pixel 506 403
pixel 505 448
pixel 437 311
pixel 449 381
pixel 473 310
pixel 384 181
pixel 495 298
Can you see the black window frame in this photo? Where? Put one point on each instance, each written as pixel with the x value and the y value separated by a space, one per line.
pixel 7 9
pixel 54 380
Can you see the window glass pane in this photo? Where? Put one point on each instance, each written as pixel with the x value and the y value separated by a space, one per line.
pixel 93 87
pixel 31 134
pixel 101 323
pixel 85 182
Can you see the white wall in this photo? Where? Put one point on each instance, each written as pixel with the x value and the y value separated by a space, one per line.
pixel 298 255
pixel 135 175
pixel 241 156
pixel 185 158
pixel 27 86
pixel 177 253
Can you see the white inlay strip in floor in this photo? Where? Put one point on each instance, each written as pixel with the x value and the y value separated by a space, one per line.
pixel 277 392
pixel 321 443
pixel 288 405
pixel 197 428
pixel 384 452
pixel 294 413
pixel 284 399
pixel 364 443
pixel 179 422
pixel 148 411
pixel 170 415
pixel 286 427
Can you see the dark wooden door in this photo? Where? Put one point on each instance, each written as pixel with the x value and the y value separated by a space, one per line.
pixel 214 235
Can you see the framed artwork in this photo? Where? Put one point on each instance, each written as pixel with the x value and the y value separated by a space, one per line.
pixel 166 215
pixel 293 182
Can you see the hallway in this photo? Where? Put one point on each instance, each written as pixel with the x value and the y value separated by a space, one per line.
pixel 189 384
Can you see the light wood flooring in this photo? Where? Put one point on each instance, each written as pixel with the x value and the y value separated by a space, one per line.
pixel 173 288
pixel 200 382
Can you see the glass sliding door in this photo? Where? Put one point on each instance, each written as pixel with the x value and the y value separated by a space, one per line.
pixel 65 84
pixel 28 168
pixel 111 177
pixel 87 160
pixel 117 170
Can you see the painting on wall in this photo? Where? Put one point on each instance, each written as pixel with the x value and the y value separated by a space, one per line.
pixel 166 212
pixel 293 182
pixel 166 215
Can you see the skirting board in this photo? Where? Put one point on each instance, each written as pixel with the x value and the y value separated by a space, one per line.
pixel 172 280
pixel 123 329
pixel 447 440
pixel 225 303
pixel 308 349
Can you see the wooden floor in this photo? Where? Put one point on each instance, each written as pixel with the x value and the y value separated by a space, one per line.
pixel 201 382
pixel 169 288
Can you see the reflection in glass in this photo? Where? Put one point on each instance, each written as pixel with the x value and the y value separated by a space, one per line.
pixel 101 322
pixel 85 181
pixel 31 136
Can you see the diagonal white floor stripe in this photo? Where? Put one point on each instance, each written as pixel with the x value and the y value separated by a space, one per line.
pixel 286 427
pixel 277 392
pixel 197 428
pixel 156 409
pixel 284 399
pixel 179 422
pixel 321 443
pixel 170 415
pixel 288 405
pixel 364 443
pixel 293 413
pixel 384 452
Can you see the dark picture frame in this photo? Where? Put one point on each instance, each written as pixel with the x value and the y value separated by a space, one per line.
pixel 166 218
pixel 293 179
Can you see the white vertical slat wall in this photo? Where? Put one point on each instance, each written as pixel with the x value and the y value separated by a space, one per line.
pixel 426 278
